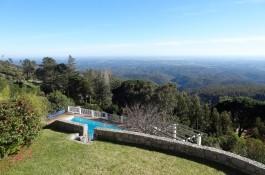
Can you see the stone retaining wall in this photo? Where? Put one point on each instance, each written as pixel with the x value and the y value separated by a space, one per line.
pixel 228 159
pixel 70 127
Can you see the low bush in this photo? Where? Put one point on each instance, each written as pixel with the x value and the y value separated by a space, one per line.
pixel 40 104
pixel 4 90
pixel 240 147
pixel 210 141
pixel 19 125
pixel 228 142
pixel 247 147
pixel 113 109
pixel 92 106
pixel 59 101
pixel 255 149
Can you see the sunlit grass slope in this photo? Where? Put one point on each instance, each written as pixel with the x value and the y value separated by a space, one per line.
pixel 53 153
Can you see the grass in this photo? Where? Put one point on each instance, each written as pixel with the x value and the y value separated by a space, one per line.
pixel 52 153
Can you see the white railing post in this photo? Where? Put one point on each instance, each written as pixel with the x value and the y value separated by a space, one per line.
pixel 79 108
pixel 121 119
pixel 68 108
pixel 92 113
pixel 199 139
pixel 107 116
pixel 174 133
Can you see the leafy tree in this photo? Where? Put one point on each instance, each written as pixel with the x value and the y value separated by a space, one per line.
pixel 102 91
pixel 48 63
pixel 133 92
pixel 71 65
pixel 259 129
pixel 61 79
pixel 182 108
pixel 46 73
pixel 10 71
pixel 28 68
pixel 82 89
pixel 115 83
pixel 165 97
pixel 54 76
pixel 215 119
pixel 195 112
pixel 243 111
pixel 206 115
pixel 71 71
pixel 59 101
pixel 225 123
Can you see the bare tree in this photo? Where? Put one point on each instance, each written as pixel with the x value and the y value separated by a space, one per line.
pixel 147 119
pixel 150 120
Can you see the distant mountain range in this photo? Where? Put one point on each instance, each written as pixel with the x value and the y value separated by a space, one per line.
pixel 186 73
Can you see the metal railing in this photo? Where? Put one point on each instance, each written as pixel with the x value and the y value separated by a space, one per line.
pixel 95 114
pixel 182 132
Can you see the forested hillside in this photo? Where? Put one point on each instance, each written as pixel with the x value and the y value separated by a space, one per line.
pixel 212 94
pixel 190 73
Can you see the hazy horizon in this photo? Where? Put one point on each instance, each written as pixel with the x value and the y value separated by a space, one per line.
pixel 142 58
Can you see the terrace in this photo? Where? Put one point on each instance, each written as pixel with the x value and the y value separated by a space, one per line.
pixel 173 144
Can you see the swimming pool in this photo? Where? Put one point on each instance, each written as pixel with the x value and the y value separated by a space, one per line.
pixel 92 124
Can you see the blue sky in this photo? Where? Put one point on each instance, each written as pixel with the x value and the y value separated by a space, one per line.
pixel 132 27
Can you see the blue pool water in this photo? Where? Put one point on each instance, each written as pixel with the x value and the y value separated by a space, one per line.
pixel 92 124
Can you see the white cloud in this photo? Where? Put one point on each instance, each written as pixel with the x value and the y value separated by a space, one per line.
pixel 214 46
pixel 230 46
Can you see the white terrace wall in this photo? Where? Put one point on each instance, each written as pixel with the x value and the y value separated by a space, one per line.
pixel 177 147
pixel 70 127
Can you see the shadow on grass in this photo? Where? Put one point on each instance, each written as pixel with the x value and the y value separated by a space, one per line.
pixel 56 126
pixel 223 168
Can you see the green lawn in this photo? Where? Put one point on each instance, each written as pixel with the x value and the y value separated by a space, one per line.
pixel 53 153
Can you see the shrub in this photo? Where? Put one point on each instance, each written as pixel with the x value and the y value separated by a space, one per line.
pixel 210 141
pixel 240 147
pixel 5 93
pixel 113 109
pixel 40 104
pixel 92 106
pixel 59 101
pixel 4 90
pixel 255 149
pixel 228 142
pixel 19 125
